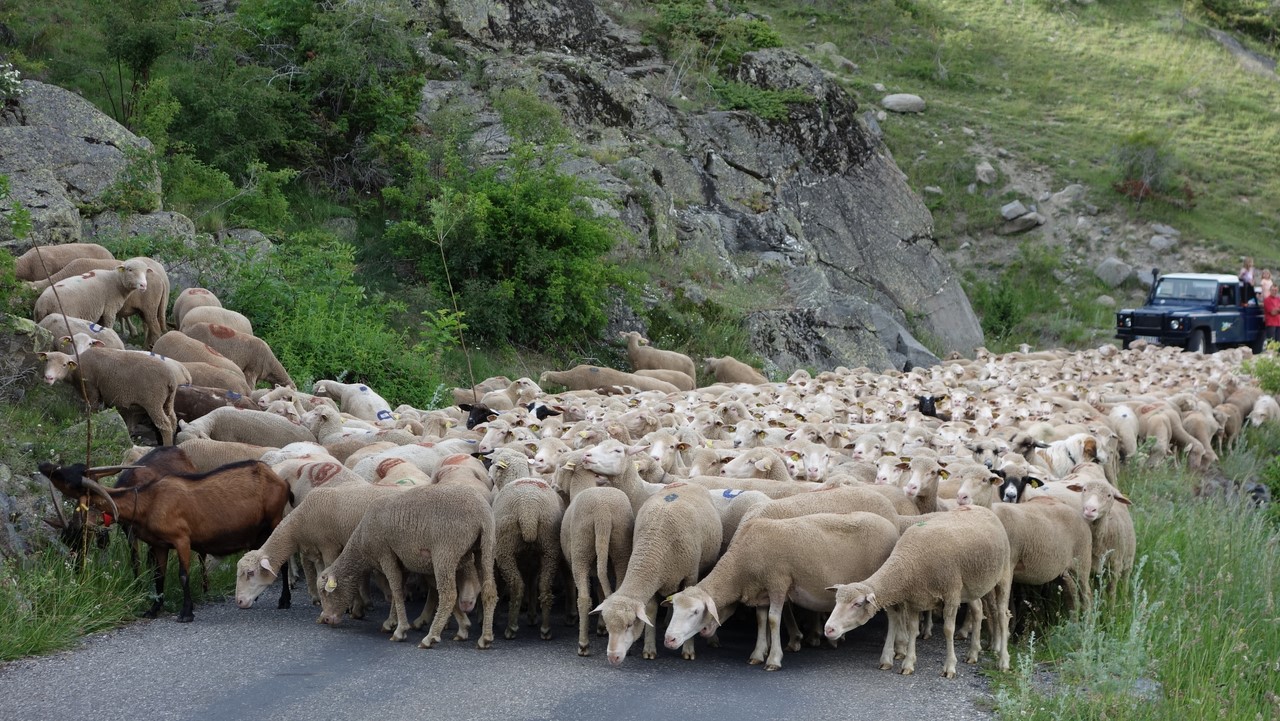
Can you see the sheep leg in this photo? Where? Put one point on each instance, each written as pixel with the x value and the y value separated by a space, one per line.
pixel 428 609
pixel 395 581
pixel 950 607
pixel 650 632
pixel 447 596
pixel 774 661
pixel 973 619
pixel 886 652
pixel 160 564
pixel 762 637
pixel 515 591
pixel 286 595
pixel 911 631
pixel 184 577
pixel 1000 635
pixel 546 574
pixel 928 625
pixel 582 579
pixel 794 635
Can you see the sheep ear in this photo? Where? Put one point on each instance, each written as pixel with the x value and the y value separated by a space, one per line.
pixel 72 365
pixel 640 614
pixel 833 588
pixel 42 355
pixel 1040 444
pixel 597 609
pixel 666 602
pixel 1076 487
pixel 1120 497
pixel 266 564
pixel 711 609
pixel 1034 482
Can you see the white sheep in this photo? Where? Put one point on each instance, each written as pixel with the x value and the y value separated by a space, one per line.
pixel 526 516
pixel 150 303
pixel 728 369
pixel 677 537
pixel 97 295
pixel 356 399
pixel 216 314
pixel 595 534
pixel 182 347
pixel 43 261
pixel 957 556
pixel 191 298
pixel 251 354
pixel 62 326
pixel 121 379
pixel 771 561
pixel 244 426
pixel 425 529
pixel 645 357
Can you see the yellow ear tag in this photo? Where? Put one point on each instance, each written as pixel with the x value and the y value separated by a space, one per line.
pixel 636 464
pixel 502 464
pixel 568 465
pixel 708 443
pixel 583 434
pixel 331 584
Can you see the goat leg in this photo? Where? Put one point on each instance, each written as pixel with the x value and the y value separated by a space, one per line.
pixel 160 563
pixel 184 577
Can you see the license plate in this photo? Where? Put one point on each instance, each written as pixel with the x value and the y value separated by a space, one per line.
pixel 1148 338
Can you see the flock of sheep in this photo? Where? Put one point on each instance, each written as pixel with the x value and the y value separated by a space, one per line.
pixel 817 501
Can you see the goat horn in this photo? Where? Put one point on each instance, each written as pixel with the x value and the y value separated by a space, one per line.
pixel 97 488
pixel 104 471
pixel 57 506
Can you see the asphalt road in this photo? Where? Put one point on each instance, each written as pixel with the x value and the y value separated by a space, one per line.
pixel 263 663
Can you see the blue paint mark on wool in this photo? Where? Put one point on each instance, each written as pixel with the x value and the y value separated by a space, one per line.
pixel 670 497
pixel 732 492
pixel 384 415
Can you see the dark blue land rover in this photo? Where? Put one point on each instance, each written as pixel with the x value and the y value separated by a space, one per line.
pixel 1199 312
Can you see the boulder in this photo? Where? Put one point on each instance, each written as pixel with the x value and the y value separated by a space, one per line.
pixel 1021 224
pixel 985 173
pixel 62 154
pixel 1162 229
pixel 1162 242
pixel 1113 272
pixel 161 224
pixel 1073 193
pixel 1105 301
pixel 903 103
pixel 1013 209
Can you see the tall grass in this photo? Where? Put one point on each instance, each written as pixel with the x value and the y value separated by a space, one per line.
pixel 1196 634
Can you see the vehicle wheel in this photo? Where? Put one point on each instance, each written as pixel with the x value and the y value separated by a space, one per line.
pixel 1124 344
pixel 1259 345
pixel 1198 342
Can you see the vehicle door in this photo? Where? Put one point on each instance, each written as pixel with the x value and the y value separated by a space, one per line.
pixel 1227 325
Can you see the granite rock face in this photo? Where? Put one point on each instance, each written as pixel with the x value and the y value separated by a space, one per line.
pixel 813 197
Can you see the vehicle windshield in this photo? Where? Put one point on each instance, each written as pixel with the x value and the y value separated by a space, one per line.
pixel 1188 288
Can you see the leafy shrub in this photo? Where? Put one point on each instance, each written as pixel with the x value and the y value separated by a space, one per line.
pixel 1259 19
pixel 10 83
pixel 515 242
pixel 768 104
pixel 1148 169
pixel 1266 368
pixel 727 33
pixel 134 190
pixel 699 328
pixel 1006 305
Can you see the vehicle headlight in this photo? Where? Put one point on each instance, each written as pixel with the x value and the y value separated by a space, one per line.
pixel 1175 324
pixel 1124 321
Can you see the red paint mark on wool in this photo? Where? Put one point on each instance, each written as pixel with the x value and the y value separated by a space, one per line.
pixel 321 473
pixel 455 459
pixel 221 331
pixel 198 291
pixel 385 467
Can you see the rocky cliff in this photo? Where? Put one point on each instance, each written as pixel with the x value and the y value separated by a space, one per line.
pixel 815 195
pixel 813 199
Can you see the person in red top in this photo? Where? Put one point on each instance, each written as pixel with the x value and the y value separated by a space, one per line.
pixel 1271 314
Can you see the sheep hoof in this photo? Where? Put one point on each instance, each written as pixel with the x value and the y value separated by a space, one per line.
pixel 484 644
pixel 584 650
pixel 398 635
pixel 427 643
pixel 795 646
pixel 283 604
pixel 509 634
pixel 948 674
pixel 755 661
pixel 185 619
pixel 649 655
pixel 971 659
pixel 461 636
pixel 908 671
pixel 886 667
pixel 388 626
pixel 545 634
pixel 689 656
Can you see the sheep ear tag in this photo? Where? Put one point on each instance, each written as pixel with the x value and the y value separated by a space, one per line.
pixel 331 585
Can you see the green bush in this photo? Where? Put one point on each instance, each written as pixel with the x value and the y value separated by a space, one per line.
pixel 1259 19
pixel 1266 368
pixel 515 243
pixel 768 104
pixel 1147 168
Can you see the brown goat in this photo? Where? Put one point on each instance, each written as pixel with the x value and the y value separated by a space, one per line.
pixel 232 508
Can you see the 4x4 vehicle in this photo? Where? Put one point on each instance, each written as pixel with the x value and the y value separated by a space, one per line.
pixel 1196 311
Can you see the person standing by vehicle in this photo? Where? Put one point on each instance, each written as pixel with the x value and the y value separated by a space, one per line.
pixel 1247 290
pixel 1271 314
pixel 1264 285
